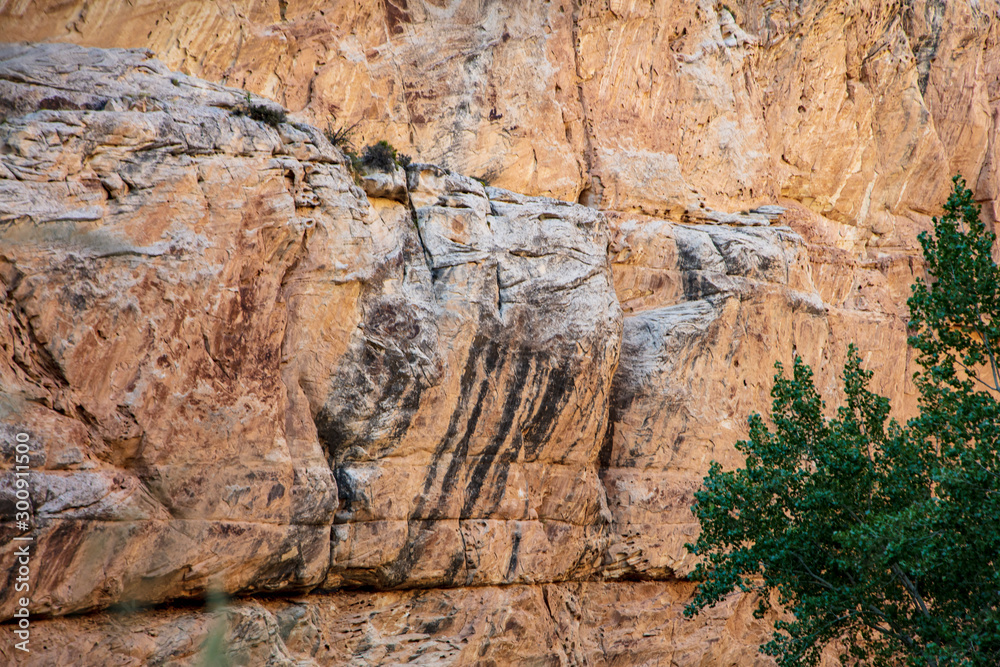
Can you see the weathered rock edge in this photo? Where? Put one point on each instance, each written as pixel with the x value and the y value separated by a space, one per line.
pixel 239 372
pixel 245 371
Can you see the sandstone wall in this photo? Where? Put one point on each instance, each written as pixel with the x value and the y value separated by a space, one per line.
pixel 861 111
pixel 469 422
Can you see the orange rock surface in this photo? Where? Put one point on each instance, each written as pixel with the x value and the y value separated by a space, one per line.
pixel 467 420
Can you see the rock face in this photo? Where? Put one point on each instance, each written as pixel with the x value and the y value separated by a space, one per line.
pixel 405 417
pixel 860 112
pixel 580 623
pixel 710 307
pixel 222 348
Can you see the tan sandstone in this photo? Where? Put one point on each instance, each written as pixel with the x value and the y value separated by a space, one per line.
pixel 249 372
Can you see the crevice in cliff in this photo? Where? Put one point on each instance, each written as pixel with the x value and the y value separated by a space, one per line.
pixel 15 77
pixel 236 52
pixel 215 360
pixel 399 71
pixel 295 596
pixel 592 193
pixel 548 606
pixel 294 264
pixel 428 259
pixel 924 46
pixel 499 292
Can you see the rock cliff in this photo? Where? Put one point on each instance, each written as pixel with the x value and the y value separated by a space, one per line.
pixel 405 416
pixel 861 111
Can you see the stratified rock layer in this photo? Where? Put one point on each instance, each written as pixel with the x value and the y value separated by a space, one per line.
pixel 222 348
pixel 548 624
pixel 467 422
pixel 860 111
pixel 242 373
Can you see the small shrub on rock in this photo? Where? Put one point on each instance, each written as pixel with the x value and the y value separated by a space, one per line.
pixel 265 114
pixel 261 113
pixel 380 156
pixel 341 137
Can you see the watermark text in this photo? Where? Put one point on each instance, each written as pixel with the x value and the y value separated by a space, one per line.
pixel 23 518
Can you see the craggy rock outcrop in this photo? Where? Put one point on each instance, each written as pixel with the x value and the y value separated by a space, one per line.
pixel 245 370
pixel 706 304
pixel 861 111
pixel 467 422
pixel 241 373
pixel 568 623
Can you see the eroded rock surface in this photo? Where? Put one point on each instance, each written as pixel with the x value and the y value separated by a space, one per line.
pixel 467 422
pixel 568 623
pixel 859 111
pixel 241 373
pixel 705 305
